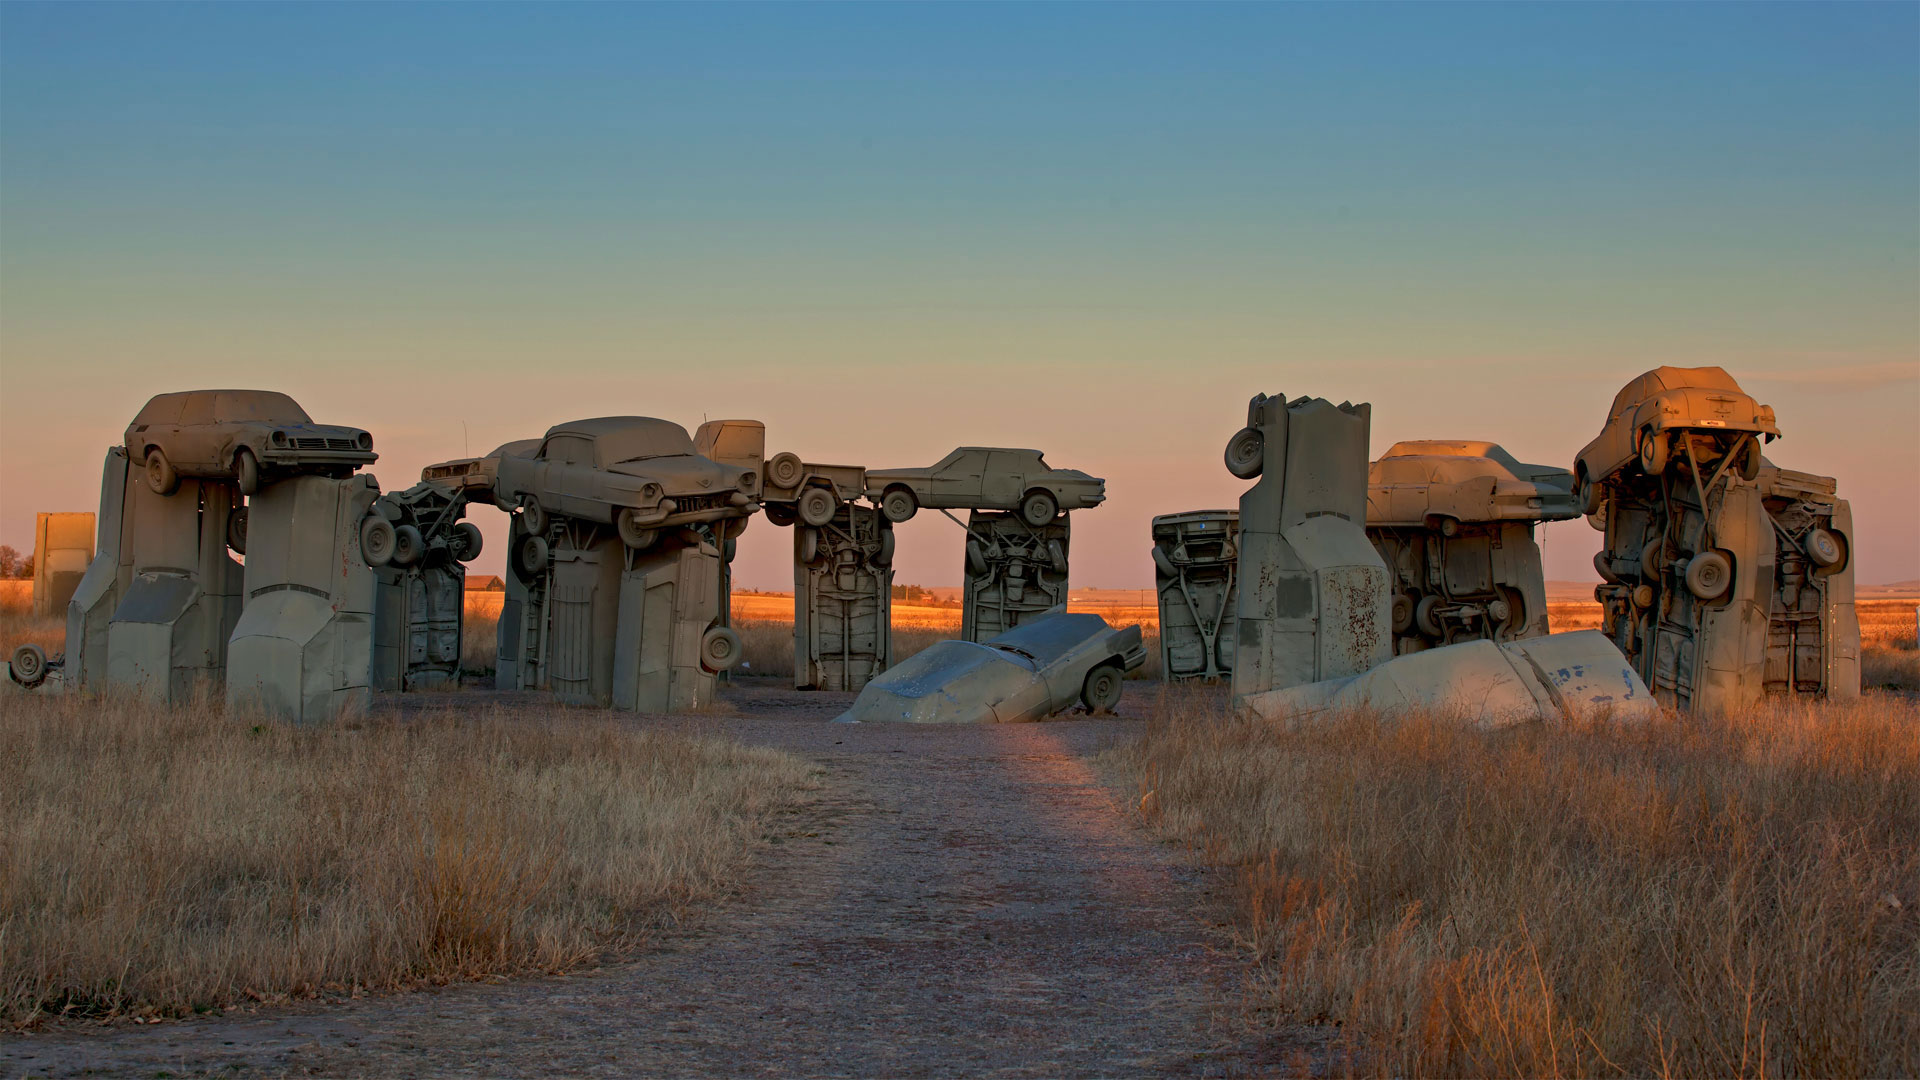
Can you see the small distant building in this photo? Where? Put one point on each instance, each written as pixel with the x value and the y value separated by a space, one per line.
pixel 62 548
pixel 485 583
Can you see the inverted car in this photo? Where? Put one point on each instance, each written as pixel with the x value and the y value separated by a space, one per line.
pixel 1428 481
pixel 239 435
pixel 1028 673
pixel 636 472
pixel 986 478
pixel 1652 416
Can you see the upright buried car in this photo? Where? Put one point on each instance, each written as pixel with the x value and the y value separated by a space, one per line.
pixel 1028 673
pixel 986 478
pixel 637 472
pixel 1668 415
pixel 243 435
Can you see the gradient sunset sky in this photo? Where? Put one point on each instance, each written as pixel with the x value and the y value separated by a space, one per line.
pixel 890 230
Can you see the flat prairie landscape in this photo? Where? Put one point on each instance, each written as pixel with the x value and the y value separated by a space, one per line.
pixel 480 881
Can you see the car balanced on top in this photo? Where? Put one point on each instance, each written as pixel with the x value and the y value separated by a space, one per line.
pixel 986 478
pixel 240 435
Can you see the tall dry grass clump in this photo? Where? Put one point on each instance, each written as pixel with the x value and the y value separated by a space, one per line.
pixel 1729 899
pixel 157 861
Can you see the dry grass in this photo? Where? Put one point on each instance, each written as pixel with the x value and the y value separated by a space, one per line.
pixel 1684 899
pixel 479 638
pixel 18 628
pixel 164 861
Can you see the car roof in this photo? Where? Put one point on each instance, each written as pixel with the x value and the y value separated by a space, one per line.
pixel 269 405
pixel 1665 378
pixel 627 438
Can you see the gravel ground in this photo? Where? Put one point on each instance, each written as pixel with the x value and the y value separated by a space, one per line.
pixel 956 901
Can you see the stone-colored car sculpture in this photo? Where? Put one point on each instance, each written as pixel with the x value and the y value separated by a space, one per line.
pixel 639 473
pixel 1028 673
pixel 986 478
pixel 246 436
pixel 1440 483
pixel 1672 414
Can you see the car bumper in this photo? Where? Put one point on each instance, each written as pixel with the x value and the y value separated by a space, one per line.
pixel 288 457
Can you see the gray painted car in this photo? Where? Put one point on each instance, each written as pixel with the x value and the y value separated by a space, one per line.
pixel 639 473
pixel 1028 673
pixel 986 478
pixel 242 435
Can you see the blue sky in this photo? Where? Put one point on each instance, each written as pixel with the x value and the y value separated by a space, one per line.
pixel 891 229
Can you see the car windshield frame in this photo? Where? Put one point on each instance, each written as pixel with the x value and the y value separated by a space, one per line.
pixel 642 441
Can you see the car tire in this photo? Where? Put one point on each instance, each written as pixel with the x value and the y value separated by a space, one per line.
pixel 632 533
pixel 1163 563
pixel 884 557
pixel 1057 557
pixel 1425 617
pixel 784 470
pixel 533 519
pixel 237 530
pixel 1587 493
pixel 409 547
pixel 1402 613
pixel 781 515
pixel 1654 563
pixel 809 546
pixel 1101 690
pixel 246 472
pixel 377 540
pixel 467 541
pixel 1709 575
pixel 1749 464
pixel 976 558
pixel 1823 548
pixel 719 649
pixel 899 505
pixel 1653 453
pixel 530 557
pixel 1604 567
pixel 1039 508
pixel 1246 453
pixel 162 477
pixel 816 506
pixel 29 665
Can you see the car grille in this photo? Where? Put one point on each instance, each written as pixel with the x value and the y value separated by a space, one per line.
pixel 689 503
pixel 317 443
pixel 442 472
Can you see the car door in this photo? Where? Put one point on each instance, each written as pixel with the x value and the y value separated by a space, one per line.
pixel 194 446
pixel 572 477
pixel 1001 486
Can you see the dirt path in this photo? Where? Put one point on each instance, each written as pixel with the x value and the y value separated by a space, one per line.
pixel 959 901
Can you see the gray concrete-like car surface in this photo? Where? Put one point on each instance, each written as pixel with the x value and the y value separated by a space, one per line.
pixel 986 478
pixel 1426 481
pixel 1653 415
pixel 1028 673
pixel 247 436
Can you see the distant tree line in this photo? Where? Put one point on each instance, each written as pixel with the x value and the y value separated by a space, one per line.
pixel 13 564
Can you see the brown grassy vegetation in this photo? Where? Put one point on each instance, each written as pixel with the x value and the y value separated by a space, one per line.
pixel 1737 898
pixel 161 861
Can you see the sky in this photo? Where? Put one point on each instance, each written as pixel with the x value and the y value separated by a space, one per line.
pixel 889 230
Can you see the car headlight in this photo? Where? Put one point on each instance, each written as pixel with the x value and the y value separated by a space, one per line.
pixel 279 438
pixel 746 480
pixel 366 441
pixel 650 491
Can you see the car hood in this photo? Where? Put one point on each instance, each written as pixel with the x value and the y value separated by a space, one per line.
pixel 951 682
pixel 681 474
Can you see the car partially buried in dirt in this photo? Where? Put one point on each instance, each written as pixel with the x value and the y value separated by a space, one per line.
pixel 986 478
pixel 636 472
pixel 1671 414
pixel 247 436
pixel 1030 672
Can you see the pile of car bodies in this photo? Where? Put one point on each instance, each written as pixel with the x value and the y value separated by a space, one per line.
pixel 1726 578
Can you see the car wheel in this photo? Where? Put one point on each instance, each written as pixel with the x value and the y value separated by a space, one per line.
pixel 1402 613
pixel 1653 562
pixel 29 665
pixel 632 533
pixel 1039 508
pixel 530 557
pixel 532 518
pixel 1653 453
pixel 1426 618
pixel 783 470
pixel 1163 564
pixel 1057 556
pixel 246 472
pixel 376 540
pixel 1749 464
pixel 237 530
pixel 976 558
pixel 1101 690
pixel 1823 548
pixel 899 504
pixel 884 557
pixel 1587 494
pixel 409 547
pixel 1604 567
pixel 162 477
pixel 719 649
pixel 1709 575
pixel 1246 453
pixel 809 549
pixel 467 541
pixel 816 506
pixel 781 514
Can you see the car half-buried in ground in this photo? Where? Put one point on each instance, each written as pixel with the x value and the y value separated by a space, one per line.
pixel 639 473
pixel 240 435
pixel 986 478
pixel 1028 673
